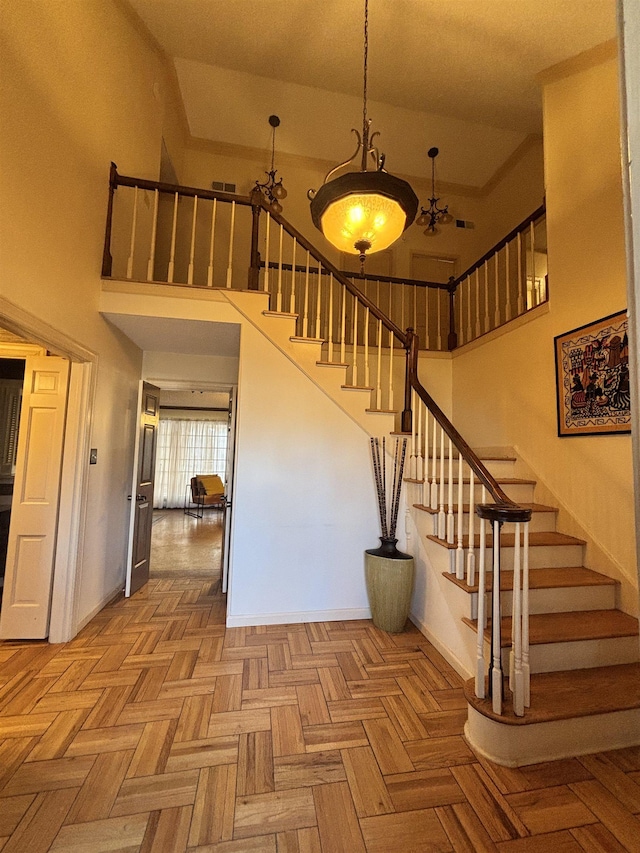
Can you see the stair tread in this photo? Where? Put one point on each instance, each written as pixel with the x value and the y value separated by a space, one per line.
pixel 465 508
pixel 300 340
pixel 548 538
pixel 331 364
pixel 508 481
pixel 356 388
pixel 568 627
pixel 568 694
pixel 544 578
pixel 285 314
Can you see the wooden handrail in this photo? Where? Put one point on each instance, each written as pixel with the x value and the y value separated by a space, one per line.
pixel 190 192
pixel 469 456
pixel 395 280
pixel 501 244
pixel 335 272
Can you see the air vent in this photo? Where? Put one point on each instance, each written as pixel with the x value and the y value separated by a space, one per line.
pixel 464 223
pixel 223 187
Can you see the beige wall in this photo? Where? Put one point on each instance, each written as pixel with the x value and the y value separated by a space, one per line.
pixel 80 88
pixel 504 390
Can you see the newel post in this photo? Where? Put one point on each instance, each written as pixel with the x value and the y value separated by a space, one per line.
pixel 411 369
pixel 107 260
pixel 452 340
pixel 254 266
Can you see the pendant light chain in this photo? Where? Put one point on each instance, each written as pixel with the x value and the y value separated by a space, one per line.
pixel 365 129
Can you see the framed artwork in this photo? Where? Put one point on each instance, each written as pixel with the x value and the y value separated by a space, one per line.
pixel 592 378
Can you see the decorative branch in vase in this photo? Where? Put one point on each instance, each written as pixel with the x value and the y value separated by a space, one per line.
pixel 388 572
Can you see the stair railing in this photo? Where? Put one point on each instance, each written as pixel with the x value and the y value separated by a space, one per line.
pixel 447 470
pixel 506 282
pixel 187 236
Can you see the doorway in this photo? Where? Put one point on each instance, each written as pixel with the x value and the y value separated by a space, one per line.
pixel 194 444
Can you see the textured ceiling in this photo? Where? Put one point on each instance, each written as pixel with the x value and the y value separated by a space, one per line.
pixel 474 60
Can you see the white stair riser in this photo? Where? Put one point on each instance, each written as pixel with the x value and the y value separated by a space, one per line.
pixel 515 746
pixel 560 600
pixel 580 654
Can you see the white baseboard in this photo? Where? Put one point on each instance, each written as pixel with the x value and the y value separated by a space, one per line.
pixel 106 600
pixel 300 616
pixel 446 653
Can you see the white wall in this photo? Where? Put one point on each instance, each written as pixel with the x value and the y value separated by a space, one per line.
pixel 79 88
pixel 304 503
pixel 504 390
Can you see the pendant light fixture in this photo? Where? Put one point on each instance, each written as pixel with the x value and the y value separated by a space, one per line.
pixel 432 215
pixel 272 188
pixel 365 211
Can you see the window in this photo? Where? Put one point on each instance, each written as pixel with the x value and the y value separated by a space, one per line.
pixel 186 448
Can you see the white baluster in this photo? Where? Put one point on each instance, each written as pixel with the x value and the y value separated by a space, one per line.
pixel 507 283
pixel 232 231
pixel 450 515
pixel 439 304
pixel 478 326
pixel 471 557
pixel 279 290
pixel 305 312
pixel 318 327
pixel 515 668
pixel 354 338
pixel 192 248
pixel 487 320
pixel 482 616
pixel 379 369
pixel 413 464
pixel 211 243
pixel 154 232
pixel 427 338
pixel 426 484
pixel 526 674
pixel 132 242
pixel 496 318
pixel 367 376
pixel 292 292
pixel 519 258
pixel 172 251
pixel 461 331
pixel 419 456
pixel 330 318
pixel 460 548
pixel 496 659
pixel 433 501
pixel 390 397
pixel 267 253
pixel 343 326
pixel 533 264
pixel 442 518
pixel 469 330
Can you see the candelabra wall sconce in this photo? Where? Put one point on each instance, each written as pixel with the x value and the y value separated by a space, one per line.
pixel 433 216
pixel 272 188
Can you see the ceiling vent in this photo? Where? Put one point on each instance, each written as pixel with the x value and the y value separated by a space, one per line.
pixel 464 223
pixel 223 187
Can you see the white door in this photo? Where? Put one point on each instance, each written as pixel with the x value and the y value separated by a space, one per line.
pixel 26 598
pixel 228 490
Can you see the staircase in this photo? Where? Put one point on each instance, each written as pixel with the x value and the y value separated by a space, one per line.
pixel 581 650
pixel 585 675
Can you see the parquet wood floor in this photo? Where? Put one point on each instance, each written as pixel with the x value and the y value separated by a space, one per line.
pixel 158 731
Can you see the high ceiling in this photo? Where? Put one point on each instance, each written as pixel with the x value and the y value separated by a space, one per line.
pixel 469 60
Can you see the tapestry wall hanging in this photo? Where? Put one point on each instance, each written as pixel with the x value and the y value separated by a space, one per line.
pixel 592 378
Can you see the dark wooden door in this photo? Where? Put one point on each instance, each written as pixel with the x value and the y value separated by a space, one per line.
pixel 142 496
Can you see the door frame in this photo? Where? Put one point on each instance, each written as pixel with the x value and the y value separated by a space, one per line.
pixel 204 385
pixel 63 618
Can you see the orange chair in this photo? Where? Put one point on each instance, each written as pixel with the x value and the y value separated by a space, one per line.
pixel 207 490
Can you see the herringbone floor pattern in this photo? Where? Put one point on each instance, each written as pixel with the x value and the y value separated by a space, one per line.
pixel 157 730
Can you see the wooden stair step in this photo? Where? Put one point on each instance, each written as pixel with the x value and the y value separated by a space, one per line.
pixel 501 481
pixel 558 578
pixel 544 538
pixel 568 694
pixel 532 506
pixel 568 627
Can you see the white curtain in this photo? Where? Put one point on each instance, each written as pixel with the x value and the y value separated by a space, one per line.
pixel 186 448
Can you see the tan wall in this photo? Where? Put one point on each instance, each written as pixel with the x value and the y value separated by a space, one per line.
pixel 504 390
pixel 80 88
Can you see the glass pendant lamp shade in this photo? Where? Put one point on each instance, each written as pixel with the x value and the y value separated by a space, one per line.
pixel 364 211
